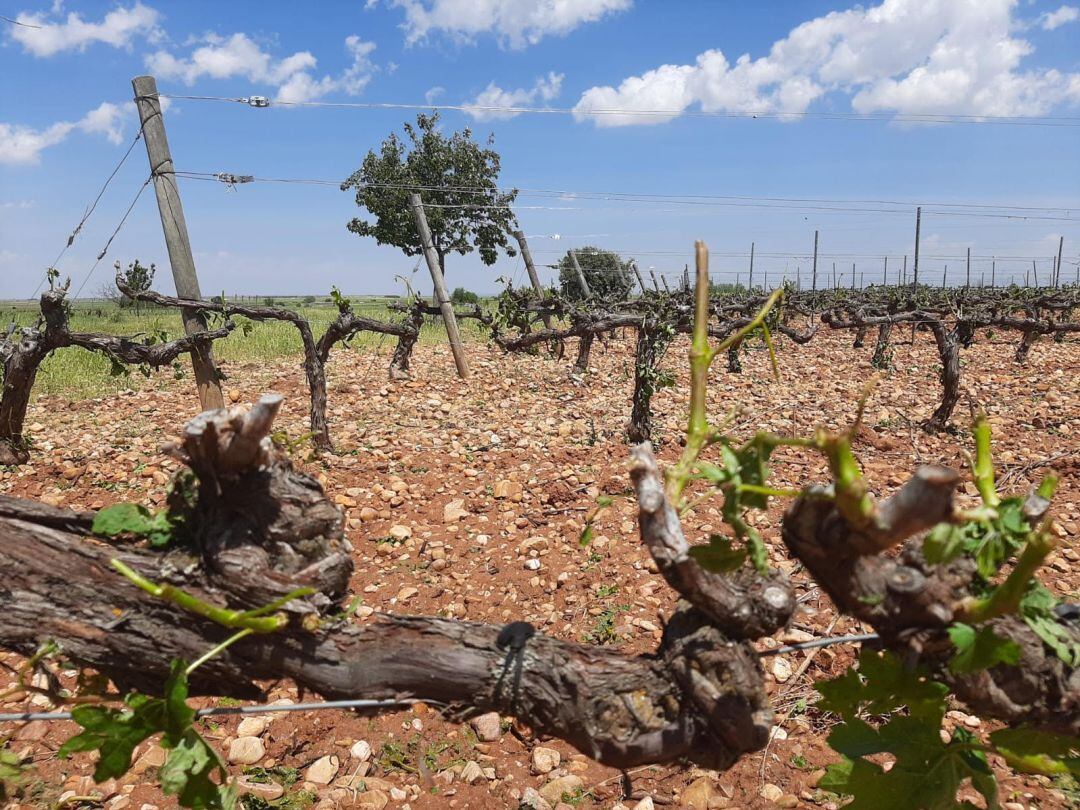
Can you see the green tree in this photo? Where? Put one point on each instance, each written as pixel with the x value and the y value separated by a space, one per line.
pixel 139 279
pixel 607 275
pixel 458 180
pixel 462 296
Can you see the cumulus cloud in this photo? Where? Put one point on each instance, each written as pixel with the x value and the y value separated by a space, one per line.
pixel 22 145
pixel 515 23
pixel 240 56
pixel 545 89
pixel 73 33
pixel 935 56
pixel 1055 19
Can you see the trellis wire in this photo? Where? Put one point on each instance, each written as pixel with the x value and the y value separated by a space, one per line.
pixel 263 708
pixel 259 708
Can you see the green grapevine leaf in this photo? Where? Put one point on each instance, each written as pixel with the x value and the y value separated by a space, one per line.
pixel 11 768
pixel 979 649
pixel 133 519
pixel 187 771
pixel 1033 751
pixel 944 543
pixel 115 733
pixel 881 685
pixel 719 556
pixel 1037 609
pixel 926 773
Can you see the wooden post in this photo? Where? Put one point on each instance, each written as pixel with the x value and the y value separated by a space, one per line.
pixel 815 260
pixel 664 280
pixel 944 276
pixel 1057 271
pixel 655 285
pixel 441 297
pixel 637 273
pixel 918 228
pixel 853 275
pixel 176 235
pixel 885 274
pixel 1035 272
pixel 526 254
pixel 750 283
pixel 967 278
pixel 580 276
pixel 903 281
pixel 686 277
pixel 993 273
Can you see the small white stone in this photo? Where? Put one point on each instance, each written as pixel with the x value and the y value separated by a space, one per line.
pixel 488 726
pixel 323 770
pixel 360 751
pixel 252 727
pixel 246 750
pixel 532 564
pixel 545 760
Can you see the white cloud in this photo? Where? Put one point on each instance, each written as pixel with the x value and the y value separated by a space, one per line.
pixel 516 23
pixel 238 55
pixel 434 93
pixel 117 28
pixel 933 56
pixel 1055 19
pixel 545 89
pixel 22 145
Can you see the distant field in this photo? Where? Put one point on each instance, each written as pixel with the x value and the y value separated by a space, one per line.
pixel 80 374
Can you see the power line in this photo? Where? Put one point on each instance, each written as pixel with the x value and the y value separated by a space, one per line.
pixel 105 249
pixel 89 210
pixel 991 210
pixel 780 115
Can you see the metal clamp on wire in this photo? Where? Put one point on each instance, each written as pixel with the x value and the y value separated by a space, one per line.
pixel 232 180
pixel 256 101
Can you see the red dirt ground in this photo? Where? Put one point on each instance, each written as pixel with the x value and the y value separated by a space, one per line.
pixel 527 450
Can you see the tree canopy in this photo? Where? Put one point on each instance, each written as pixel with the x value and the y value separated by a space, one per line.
pixel 458 181
pixel 607 275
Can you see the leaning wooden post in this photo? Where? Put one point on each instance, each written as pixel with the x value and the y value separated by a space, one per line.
pixel 441 297
pixel 655 285
pixel 580 276
pixel 750 283
pixel 526 254
pixel 176 235
pixel 918 230
pixel 1057 265
pixel 640 281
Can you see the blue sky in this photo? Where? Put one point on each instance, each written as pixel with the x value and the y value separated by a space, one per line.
pixel 66 119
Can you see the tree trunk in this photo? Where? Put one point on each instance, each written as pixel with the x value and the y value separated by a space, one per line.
pixel 1023 349
pixel 734 361
pixel 860 337
pixel 882 358
pixel 949 352
pixel 24 351
pixel 399 363
pixel 581 364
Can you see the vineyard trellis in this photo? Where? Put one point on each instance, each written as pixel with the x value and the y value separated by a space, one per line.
pixel 261 538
